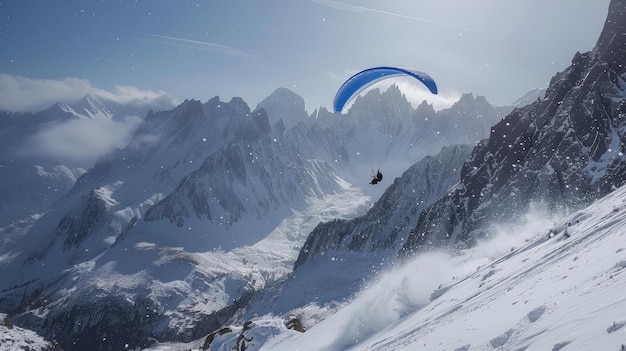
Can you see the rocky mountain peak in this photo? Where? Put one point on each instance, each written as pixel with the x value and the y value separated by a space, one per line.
pixel 90 105
pixel 468 102
pixel 283 104
pixel 563 151
pixel 425 108
pixel 611 46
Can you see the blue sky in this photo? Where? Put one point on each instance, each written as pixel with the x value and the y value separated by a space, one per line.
pixel 199 49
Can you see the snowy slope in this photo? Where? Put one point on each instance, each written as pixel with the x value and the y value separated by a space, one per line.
pixel 549 284
pixel 15 338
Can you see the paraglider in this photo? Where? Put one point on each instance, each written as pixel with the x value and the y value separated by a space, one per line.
pixel 366 78
pixel 376 178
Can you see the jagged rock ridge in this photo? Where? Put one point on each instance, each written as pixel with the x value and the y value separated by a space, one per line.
pixel 563 151
pixel 208 166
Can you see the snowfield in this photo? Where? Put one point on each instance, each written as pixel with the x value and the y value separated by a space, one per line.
pixel 544 285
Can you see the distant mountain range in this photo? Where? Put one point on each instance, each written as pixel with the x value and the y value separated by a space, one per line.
pixel 42 154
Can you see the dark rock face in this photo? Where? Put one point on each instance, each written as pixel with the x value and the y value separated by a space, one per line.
pixel 610 46
pixel 91 213
pixel 109 324
pixel 564 151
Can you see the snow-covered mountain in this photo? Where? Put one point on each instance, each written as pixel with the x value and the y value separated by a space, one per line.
pixel 207 202
pixel 43 153
pixel 499 181
pixel 285 108
pixel 163 184
pixel 249 179
pixel 565 151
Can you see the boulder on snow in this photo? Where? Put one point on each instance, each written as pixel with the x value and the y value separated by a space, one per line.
pixel 213 334
pixel 12 337
pixel 244 339
pixel 295 324
pixel 6 322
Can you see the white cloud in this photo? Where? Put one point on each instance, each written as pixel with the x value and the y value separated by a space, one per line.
pixel 26 94
pixel 80 142
pixel 76 142
pixel 414 92
pixel 125 94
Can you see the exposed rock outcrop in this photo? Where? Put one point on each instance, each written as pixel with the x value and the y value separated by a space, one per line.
pixel 563 151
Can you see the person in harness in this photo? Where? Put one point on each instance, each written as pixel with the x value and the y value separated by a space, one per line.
pixel 376 178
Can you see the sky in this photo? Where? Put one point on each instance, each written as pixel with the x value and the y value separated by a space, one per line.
pixel 56 50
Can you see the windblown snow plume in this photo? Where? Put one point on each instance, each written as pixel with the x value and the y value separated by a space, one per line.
pixel 410 287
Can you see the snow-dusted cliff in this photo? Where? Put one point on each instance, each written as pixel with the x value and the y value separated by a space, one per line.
pixel 563 152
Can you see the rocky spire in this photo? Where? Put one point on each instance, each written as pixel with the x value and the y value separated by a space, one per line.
pixel 564 151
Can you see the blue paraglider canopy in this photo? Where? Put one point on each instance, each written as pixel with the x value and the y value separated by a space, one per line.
pixel 364 79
